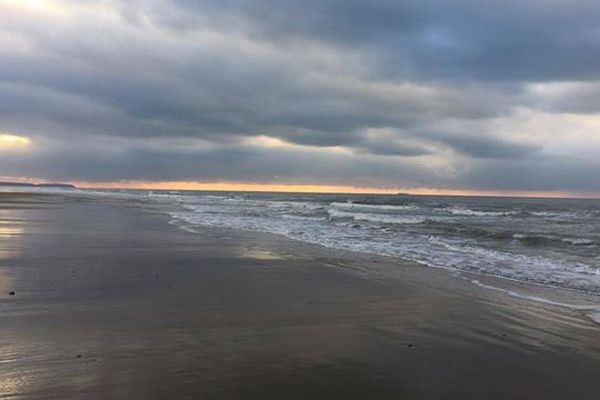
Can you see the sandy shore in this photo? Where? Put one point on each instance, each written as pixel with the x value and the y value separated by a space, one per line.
pixel 111 302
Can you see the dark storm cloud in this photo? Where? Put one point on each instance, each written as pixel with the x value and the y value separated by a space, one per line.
pixel 494 40
pixel 392 148
pixel 383 92
pixel 568 174
pixel 486 147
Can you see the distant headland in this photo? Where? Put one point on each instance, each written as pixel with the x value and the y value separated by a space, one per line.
pixel 39 185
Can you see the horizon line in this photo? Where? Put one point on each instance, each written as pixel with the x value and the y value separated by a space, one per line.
pixel 330 189
pixel 310 188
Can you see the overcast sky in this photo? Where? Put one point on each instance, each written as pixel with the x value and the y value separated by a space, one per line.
pixel 500 95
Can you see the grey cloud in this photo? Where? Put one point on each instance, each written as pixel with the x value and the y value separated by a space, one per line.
pixel 569 97
pixel 487 147
pixel 457 39
pixel 397 83
pixel 394 148
pixel 537 174
pixel 250 164
pixel 233 163
pixel 222 97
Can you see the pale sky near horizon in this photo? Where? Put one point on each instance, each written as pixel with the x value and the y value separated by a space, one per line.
pixel 462 96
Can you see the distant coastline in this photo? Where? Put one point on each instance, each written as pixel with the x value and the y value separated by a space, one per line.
pixel 41 185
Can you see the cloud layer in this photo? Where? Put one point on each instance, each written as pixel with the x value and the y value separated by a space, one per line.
pixel 456 94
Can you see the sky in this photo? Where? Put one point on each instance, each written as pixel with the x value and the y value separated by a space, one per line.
pixel 431 96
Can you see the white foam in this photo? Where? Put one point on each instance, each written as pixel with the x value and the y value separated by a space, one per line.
pixel 384 218
pixel 477 213
pixel 578 241
pixel 594 316
pixel 374 207
pixel 592 311
pixel 557 215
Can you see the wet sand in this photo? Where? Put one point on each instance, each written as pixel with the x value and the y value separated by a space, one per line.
pixel 112 302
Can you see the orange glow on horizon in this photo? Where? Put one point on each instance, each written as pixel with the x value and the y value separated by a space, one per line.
pixel 231 187
pixel 295 188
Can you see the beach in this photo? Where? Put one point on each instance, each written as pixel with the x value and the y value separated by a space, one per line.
pixel 101 298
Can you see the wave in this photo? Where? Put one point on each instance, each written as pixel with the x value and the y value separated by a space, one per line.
pixel 296 205
pixel 378 218
pixel 521 267
pixel 547 239
pixel 437 208
pixel 375 207
pixel 578 241
pixel 478 213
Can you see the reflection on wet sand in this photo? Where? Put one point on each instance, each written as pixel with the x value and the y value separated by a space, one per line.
pixel 11 230
pixel 10 233
pixel 6 282
pixel 13 385
pixel 260 254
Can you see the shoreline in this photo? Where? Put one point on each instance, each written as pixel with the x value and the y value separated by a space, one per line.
pixel 580 302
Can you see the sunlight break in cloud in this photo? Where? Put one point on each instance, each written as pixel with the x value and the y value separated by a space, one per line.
pixel 8 141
